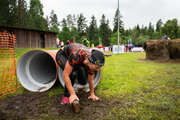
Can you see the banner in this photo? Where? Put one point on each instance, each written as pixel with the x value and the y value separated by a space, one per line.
pixel 115 49
pixel 137 49
pixel 106 48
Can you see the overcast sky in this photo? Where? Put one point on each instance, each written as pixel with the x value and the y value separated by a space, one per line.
pixel 133 12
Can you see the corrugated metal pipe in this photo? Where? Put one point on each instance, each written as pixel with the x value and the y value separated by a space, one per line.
pixel 37 71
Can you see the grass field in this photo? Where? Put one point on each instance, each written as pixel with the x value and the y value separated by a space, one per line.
pixel 146 90
pixel 152 90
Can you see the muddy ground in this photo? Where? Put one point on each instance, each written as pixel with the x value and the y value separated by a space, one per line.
pixel 41 106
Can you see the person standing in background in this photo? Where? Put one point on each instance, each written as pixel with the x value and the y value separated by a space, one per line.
pixel 92 45
pixel 57 41
pixel 86 42
pixel 165 37
pixel 62 44
pixel 67 43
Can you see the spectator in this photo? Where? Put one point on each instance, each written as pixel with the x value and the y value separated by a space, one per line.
pixel 62 44
pixel 165 37
pixel 86 42
pixel 128 47
pixel 57 41
pixel 67 43
pixel 109 47
pixel 92 45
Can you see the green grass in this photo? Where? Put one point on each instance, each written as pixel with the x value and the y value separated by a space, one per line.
pixel 145 90
pixel 150 90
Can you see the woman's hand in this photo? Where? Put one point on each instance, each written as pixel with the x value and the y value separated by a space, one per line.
pixel 93 97
pixel 72 98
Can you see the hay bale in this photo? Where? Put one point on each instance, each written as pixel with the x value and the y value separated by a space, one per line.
pixel 157 50
pixel 174 49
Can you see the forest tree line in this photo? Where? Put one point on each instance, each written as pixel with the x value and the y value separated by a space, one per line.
pixel 16 13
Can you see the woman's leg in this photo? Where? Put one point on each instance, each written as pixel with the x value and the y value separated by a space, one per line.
pixel 61 60
pixel 82 75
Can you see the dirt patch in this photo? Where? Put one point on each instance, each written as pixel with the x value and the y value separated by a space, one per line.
pixel 160 61
pixel 40 105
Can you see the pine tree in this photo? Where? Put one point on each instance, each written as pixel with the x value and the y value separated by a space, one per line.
pixel 23 14
pixel 47 22
pixel 138 30
pixel 63 23
pixel 150 31
pixel 74 19
pixel 69 21
pixel 53 22
pixel 105 31
pixel 115 29
pixel 36 15
pixel 81 25
pixel 158 25
pixel 93 30
pixel 8 13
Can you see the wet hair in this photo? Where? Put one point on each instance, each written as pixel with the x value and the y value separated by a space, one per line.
pixel 97 58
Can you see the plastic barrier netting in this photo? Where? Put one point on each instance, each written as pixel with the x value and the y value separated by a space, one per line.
pixel 8 79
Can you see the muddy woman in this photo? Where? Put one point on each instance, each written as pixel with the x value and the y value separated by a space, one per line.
pixel 73 59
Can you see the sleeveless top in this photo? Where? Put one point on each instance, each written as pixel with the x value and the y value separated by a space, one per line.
pixel 76 53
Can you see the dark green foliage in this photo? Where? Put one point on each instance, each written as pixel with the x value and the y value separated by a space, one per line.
pixel 81 25
pixel 93 31
pixel 70 22
pixel 53 19
pixel 54 24
pixel 105 31
pixel 16 13
pixel 23 15
pixel 8 13
pixel 115 29
pixel 158 25
pixel 75 33
pixel 63 23
pixel 65 34
pixel 171 28
pixel 36 15
pixel 47 22
pixel 150 30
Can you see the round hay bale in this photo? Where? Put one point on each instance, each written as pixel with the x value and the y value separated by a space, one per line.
pixel 157 50
pixel 174 49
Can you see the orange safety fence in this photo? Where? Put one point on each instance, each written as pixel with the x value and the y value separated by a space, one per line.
pixel 8 79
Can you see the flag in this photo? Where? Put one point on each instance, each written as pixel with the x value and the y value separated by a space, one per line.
pixel 100 42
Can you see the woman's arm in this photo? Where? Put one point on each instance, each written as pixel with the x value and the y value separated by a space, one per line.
pixel 66 73
pixel 91 86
